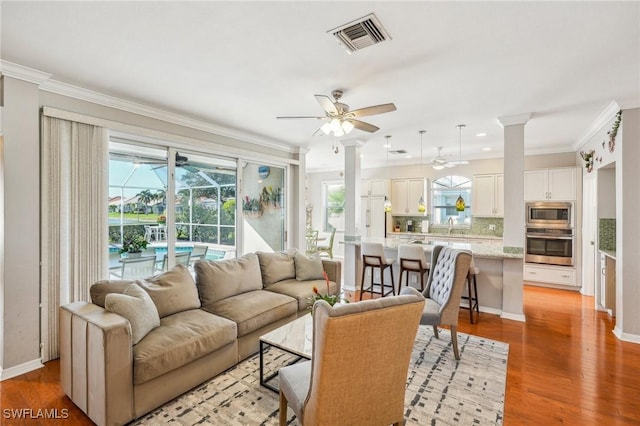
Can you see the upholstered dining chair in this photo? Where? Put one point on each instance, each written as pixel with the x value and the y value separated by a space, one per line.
pixel 327 249
pixel 354 359
pixel 411 258
pixel 373 258
pixel 449 269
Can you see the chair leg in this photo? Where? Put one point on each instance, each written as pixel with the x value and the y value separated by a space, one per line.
pixel 393 284
pixel 475 293
pixel 454 341
pixel 470 298
pixel 435 331
pixel 283 409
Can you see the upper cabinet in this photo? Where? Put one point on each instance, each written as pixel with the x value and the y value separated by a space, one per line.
pixel 550 185
pixel 405 194
pixel 488 195
pixel 374 187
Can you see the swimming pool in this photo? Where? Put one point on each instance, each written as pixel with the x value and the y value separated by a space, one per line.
pixel 212 254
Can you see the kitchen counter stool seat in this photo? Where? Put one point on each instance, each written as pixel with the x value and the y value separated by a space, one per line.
pixel 472 292
pixel 373 257
pixel 411 258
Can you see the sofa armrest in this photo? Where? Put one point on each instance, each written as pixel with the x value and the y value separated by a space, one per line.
pixel 96 362
pixel 333 268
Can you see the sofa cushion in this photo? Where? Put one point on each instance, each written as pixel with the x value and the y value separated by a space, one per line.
pixel 302 291
pixel 136 305
pixel 253 310
pixel 308 268
pixel 172 291
pixel 276 267
pixel 100 289
pixel 180 339
pixel 219 279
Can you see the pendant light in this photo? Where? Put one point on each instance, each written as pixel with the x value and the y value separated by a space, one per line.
pixel 421 205
pixel 460 204
pixel 387 201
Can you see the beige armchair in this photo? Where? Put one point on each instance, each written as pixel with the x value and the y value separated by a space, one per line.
pixel 354 358
pixel 449 269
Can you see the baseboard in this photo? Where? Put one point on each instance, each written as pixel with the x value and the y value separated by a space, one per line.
pixel 626 337
pixel 514 317
pixel 23 368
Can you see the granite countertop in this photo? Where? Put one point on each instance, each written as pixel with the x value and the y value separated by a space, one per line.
pixel 478 250
pixel 610 253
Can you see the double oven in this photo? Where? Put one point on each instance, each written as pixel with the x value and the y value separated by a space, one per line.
pixel 549 237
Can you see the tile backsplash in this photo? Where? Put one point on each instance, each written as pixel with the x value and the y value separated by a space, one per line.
pixel 606 234
pixel 479 226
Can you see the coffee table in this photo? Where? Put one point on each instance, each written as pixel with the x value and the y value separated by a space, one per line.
pixel 295 337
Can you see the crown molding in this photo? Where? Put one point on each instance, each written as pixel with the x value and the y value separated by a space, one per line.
pixel 21 72
pixel 511 120
pixel 601 120
pixel 92 96
pixel 61 88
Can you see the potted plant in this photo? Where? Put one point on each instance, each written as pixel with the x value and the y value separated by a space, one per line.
pixel 133 247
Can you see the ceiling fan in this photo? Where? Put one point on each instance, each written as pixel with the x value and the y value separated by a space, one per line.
pixel 440 162
pixel 340 119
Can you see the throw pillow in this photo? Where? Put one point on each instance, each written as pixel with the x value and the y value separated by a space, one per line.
pixel 100 289
pixel 172 291
pixel 276 267
pixel 217 280
pixel 308 268
pixel 136 305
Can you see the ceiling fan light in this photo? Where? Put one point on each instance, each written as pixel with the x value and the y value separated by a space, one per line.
pixel 326 128
pixel 438 167
pixel 338 132
pixel 449 165
pixel 347 126
pixel 335 125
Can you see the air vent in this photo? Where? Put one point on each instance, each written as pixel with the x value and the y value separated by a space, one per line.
pixel 398 151
pixel 360 33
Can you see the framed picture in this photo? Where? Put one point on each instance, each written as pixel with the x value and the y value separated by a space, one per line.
pixel 263 172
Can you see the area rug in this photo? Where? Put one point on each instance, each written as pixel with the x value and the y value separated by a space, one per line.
pixel 440 391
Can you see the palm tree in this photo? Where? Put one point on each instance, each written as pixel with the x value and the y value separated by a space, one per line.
pixel 144 197
pixel 160 195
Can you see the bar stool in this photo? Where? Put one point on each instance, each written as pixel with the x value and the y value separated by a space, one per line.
pixel 472 297
pixel 373 257
pixel 411 258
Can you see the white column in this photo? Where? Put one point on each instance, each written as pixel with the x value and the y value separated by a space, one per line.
pixel 298 206
pixel 513 236
pixel 352 258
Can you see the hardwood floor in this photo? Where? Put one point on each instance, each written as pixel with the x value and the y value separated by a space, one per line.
pixel 565 367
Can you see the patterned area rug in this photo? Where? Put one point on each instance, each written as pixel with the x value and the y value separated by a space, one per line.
pixel 440 391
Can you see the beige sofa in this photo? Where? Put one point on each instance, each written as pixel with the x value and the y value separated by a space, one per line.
pixel 201 328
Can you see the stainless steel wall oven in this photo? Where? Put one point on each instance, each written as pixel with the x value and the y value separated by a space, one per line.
pixel 549 236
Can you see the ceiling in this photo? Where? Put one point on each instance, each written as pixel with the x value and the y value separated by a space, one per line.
pixel 241 64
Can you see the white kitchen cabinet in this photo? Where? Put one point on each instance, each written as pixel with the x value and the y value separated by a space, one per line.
pixel 488 195
pixel 405 194
pixel 563 275
pixel 374 187
pixel 550 185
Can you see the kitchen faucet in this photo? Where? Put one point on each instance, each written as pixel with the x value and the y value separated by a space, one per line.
pixel 450 222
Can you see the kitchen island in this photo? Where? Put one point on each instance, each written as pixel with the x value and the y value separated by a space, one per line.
pixel 499 281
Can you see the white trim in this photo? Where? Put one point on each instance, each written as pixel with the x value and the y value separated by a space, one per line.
pixel 21 72
pixel 80 93
pixel 626 337
pixel 489 310
pixel 602 120
pixel 155 137
pixel 514 317
pixel 511 120
pixel 23 368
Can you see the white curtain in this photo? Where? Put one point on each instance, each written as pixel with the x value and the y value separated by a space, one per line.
pixel 74 216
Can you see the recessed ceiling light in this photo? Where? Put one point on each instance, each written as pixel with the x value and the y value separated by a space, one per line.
pixel 486 149
pixel 481 135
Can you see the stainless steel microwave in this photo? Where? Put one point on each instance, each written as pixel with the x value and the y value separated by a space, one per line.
pixel 549 214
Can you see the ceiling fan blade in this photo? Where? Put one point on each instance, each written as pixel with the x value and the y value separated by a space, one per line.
pixel 365 127
pixel 458 163
pixel 373 110
pixel 317 118
pixel 327 104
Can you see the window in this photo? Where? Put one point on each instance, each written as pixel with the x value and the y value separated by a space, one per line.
pixel 333 206
pixel 445 191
